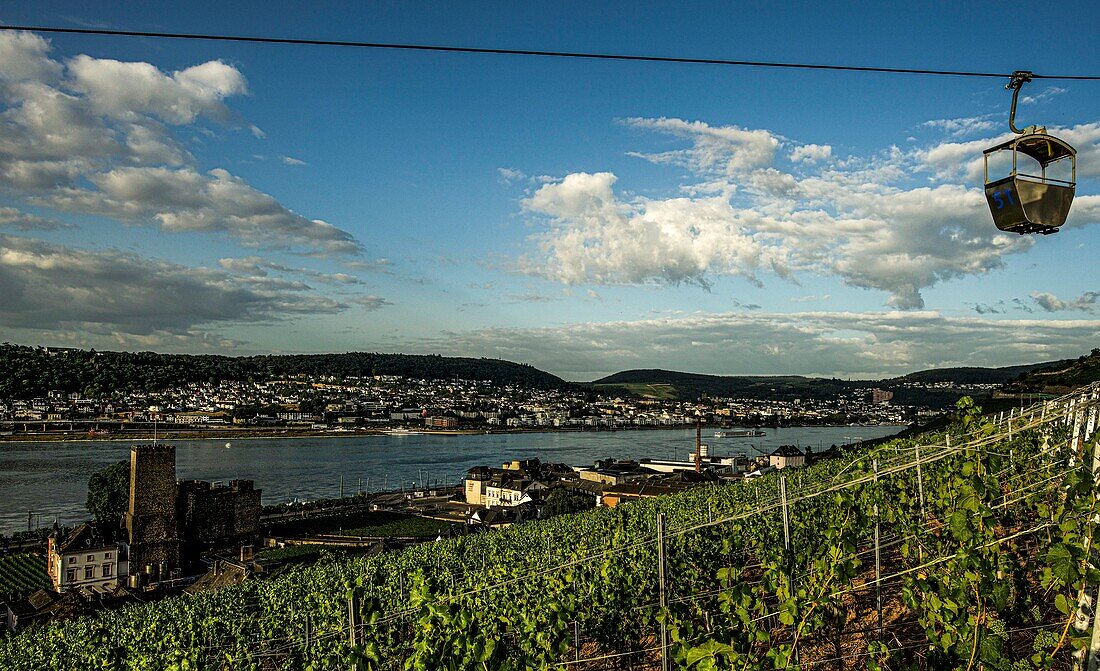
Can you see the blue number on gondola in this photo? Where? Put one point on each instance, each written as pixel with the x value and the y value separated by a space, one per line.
pixel 1000 203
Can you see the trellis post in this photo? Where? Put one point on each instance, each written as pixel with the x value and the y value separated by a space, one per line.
pixel 923 514
pixel 354 624
pixel 878 556
pixel 788 555
pixel 666 663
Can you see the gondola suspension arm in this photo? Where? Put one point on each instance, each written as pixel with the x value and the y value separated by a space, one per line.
pixel 1016 82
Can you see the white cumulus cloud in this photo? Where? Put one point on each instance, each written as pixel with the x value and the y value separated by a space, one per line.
pixel 93 135
pixel 718 150
pixel 873 221
pixel 11 217
pixel 595 237
pixel 811 153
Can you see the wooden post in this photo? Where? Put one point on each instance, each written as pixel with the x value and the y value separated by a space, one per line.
pixel 1075 443
pixel 788 555
pixel 576 640
pixel 1087 600
pixel 786 520
pixel 354 623
pixel 878 558
pixel 666 663
pixel 923 514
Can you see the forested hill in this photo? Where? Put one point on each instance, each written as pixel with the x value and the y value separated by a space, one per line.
pixel 971 374
pixel 655 383
pixel 675 384
pixel 1060 377
pixel 27 372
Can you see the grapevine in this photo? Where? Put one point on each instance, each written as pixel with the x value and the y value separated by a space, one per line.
pixel 986 539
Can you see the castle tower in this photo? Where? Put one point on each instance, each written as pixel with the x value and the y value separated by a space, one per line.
pixel 151 517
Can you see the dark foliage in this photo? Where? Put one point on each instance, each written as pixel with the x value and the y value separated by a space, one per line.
pixel 787 387
pixel 26 372
pixel 694 385
pixel 1060 376
pixel 969 375
pixel 108 494
pixel 563 502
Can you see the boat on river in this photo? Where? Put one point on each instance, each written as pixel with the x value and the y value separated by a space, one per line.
pixel 740 433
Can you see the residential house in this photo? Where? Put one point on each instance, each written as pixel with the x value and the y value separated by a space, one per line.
pixel 508 490
pixel 786 456
pixel 661 485
pixel 36 607
pixel 474 484
pixel 88 557
pixel 613 472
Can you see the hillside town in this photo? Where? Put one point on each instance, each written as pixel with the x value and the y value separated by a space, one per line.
pixel 379 403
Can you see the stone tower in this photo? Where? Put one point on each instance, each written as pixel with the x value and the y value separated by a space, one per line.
pixel 151 517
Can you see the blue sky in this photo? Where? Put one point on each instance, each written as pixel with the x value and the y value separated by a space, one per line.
pixel 581 216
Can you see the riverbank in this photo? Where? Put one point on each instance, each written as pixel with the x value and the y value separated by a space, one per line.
pixel 49 479
pixel 253 433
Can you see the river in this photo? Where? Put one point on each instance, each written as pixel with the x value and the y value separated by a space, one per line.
pixel 49 479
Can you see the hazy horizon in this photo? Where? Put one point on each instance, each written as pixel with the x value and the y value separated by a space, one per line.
pixel 591 378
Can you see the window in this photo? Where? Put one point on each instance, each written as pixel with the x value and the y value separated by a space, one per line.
pixel 89 572
pixel 70 575
pixel 91 557
pixel 106 555
pixel 106 572
pixel 72 560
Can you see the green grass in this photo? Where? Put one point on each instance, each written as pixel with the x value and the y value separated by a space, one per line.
pixel 297 552
pixel 398 525
pixel 22 573
pixel 360 523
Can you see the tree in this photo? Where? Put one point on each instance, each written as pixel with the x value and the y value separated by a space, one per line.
pixel 109 493
pixel 563 502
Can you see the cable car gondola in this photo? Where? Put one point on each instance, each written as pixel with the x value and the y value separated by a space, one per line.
pixel 1023 202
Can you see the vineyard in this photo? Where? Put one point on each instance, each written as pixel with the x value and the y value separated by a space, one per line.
pixel 966 549
pixel 22 573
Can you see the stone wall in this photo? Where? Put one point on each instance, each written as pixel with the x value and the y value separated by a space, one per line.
pixel 216 516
